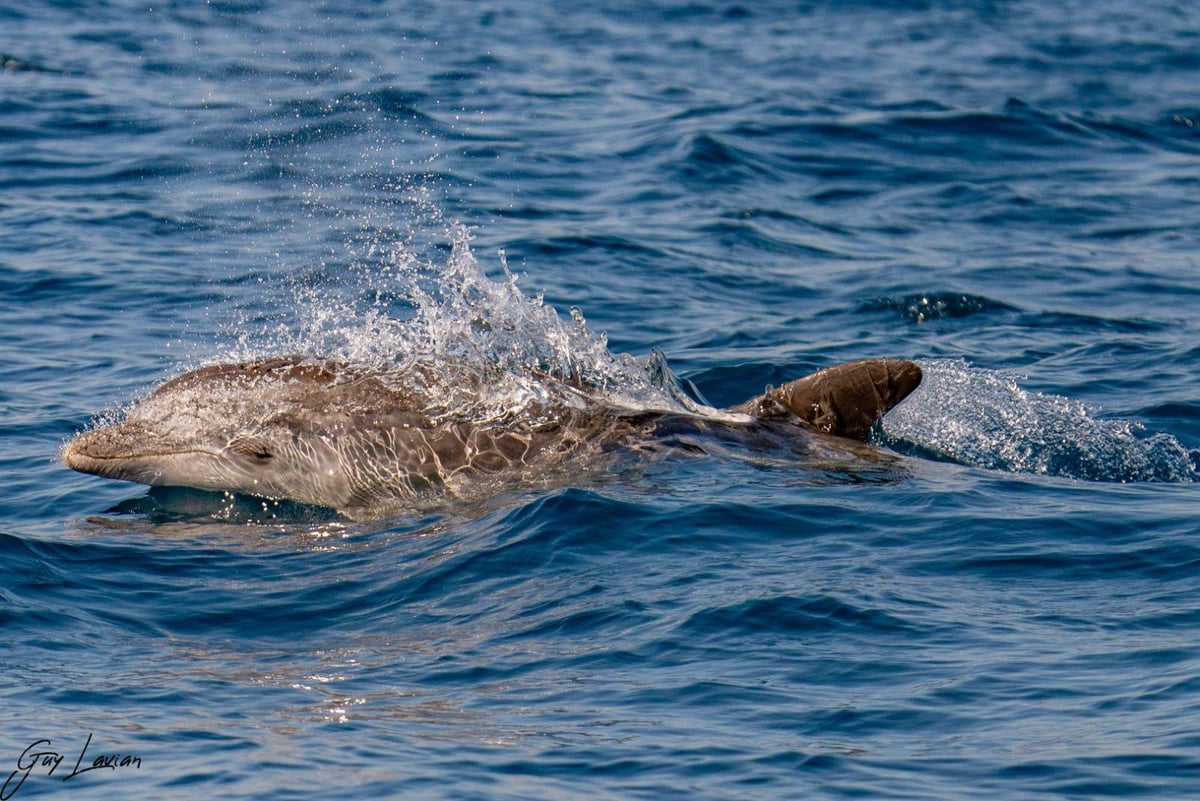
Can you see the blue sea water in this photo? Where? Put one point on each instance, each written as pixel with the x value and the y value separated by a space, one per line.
pixel 1005 604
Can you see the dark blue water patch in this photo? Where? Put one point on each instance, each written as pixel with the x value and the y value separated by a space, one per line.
pixel 926 306
pixel 841 194
pixel 785 218
pixel 587 614
pixel 23 569
pixel 577 245
pixel 298 136
pixel 1047 546
pixel 1018 128
pixel 1181 419
pixel 781 225
pixel 710 161
pixel 1126 231
pixel 40 286
pixel 557 532
pixel 157 593
pixel 788 616
pixel 747 239
pixel 533 212
pixel 387 103
pixel 285 615
pixel 1077 322
pixel 1114 776
pixel 50 604
pixel 1015 133
pixel 162 505
pixel 1170 133
pixel 1164 562
pixel 70 118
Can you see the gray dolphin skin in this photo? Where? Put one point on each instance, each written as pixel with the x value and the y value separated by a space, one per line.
pixel 329 434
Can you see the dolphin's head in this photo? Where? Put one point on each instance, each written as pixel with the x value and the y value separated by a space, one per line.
pixel 260 428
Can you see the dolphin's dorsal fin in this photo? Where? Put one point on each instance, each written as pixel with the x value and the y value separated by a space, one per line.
pixel 845 399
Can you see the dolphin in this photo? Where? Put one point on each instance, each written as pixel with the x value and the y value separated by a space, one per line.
pixel 330 434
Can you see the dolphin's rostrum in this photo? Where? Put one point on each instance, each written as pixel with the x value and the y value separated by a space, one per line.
pixel 329 434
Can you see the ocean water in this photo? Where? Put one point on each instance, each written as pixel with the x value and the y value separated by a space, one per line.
pixel 1002 602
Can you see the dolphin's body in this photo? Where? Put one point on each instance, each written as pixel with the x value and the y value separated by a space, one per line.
pixel 325 433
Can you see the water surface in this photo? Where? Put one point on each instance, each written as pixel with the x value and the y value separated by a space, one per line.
pixel 1003 191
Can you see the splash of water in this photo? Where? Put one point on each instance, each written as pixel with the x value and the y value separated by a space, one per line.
pixel 983 418
pixel 480 347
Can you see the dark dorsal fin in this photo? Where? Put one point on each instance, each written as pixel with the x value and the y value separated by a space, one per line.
pixel 845 399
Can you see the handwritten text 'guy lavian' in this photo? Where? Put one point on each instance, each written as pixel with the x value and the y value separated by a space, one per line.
pixel 40 756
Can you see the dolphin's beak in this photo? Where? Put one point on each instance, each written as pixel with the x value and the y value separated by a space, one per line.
pixel 92 452
pixel 125 451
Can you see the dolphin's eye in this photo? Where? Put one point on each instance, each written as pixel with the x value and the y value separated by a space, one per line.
pixel 254 447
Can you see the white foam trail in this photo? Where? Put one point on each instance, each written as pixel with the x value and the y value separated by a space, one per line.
pixel 983 418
